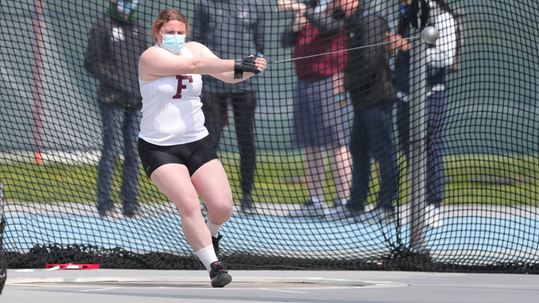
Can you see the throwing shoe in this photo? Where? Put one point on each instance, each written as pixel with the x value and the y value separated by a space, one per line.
pixel 218 275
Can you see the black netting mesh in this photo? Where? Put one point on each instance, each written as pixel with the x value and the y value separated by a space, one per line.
pixel 456 159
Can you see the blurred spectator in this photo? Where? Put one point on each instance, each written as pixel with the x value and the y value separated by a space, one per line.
pixel 368 80
pixel 402 78
pixel 440 57
pixel 232 28
pixel 321 110
pixel 114 47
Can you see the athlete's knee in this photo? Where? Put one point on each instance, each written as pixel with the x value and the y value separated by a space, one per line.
pixel 189 209
pixel 222 209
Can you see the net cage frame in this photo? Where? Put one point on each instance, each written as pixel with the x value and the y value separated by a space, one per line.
pixel 52 146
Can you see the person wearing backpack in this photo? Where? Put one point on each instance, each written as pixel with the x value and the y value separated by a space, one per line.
pixel 441 57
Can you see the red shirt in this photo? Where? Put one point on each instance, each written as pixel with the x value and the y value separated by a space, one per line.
pixel 311 42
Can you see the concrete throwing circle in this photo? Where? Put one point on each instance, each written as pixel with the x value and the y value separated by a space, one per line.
pixel 197 282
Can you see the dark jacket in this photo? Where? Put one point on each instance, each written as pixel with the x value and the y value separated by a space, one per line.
pixel 112 58
pixel 367 75
pixel 232 29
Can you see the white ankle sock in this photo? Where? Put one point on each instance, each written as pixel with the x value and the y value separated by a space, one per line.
pixel 214 228
pixel 207 256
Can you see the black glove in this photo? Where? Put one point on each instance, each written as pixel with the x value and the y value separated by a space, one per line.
pixel 245 65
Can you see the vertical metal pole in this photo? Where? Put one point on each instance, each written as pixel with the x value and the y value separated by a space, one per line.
pixel 417 172
pixel 38 81
pixel 3 261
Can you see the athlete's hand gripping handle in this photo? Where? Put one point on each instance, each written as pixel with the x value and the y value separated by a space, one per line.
pixel 245 65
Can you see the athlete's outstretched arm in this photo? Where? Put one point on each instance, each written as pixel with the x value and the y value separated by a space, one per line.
pixel 157 62
pixel 228 76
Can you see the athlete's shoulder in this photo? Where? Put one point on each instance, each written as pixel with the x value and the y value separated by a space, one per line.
pixel 195 45
pixel 151 49
pixel 151 52
pixel 196 48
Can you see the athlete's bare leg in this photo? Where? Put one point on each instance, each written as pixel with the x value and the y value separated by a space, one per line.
pixel 174 181
pixel 212 185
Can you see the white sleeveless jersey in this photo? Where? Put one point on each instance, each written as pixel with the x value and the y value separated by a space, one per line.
pixel 171 109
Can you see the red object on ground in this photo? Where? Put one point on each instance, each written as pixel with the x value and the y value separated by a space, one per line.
pixel 73 266
pixel 38 157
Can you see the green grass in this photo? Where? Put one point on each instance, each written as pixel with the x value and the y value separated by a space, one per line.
pixel 471 179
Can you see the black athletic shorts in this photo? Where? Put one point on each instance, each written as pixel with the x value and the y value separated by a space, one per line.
pixel 193 155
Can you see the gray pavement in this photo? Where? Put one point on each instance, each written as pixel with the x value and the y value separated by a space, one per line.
pixel 134 286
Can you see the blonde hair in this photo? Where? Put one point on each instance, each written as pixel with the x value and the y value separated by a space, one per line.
pixel 166 15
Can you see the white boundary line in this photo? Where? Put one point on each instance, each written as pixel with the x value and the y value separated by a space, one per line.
pixel 48 156
pixel 305 283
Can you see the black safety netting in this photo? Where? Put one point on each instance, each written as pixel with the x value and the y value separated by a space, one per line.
pixel 355 149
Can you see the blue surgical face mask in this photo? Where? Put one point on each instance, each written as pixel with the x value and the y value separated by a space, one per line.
pixel 126 7
pixel 173 43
